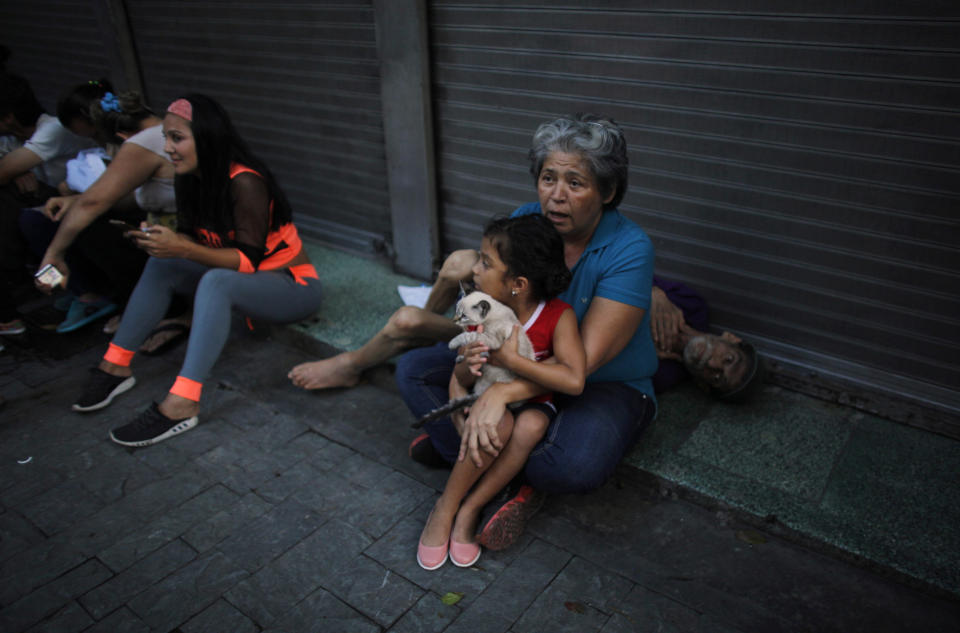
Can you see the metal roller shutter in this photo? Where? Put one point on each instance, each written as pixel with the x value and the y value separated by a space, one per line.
pixel 301 81
pixel 796 163
pixel 54 44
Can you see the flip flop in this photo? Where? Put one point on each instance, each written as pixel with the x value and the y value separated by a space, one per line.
pixel 181 330
pixel 82 312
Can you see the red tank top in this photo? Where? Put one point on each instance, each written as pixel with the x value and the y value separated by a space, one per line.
pixel 540 333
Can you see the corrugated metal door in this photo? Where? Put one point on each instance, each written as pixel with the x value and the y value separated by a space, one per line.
pixel 796 162
pixel 301 81
pixel 54 44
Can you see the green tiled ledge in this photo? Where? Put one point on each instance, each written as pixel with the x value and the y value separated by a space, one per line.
pixel 359 295
pixel 884 492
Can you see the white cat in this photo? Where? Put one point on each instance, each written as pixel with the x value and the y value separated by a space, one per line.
pixel 497 319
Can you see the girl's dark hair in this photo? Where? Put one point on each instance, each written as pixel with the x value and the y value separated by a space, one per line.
pixel 203 196
pixel 109 122
pixel 531 247
pixel 76 102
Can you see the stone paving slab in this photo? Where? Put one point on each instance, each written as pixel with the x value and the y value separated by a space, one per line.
pixel 294 512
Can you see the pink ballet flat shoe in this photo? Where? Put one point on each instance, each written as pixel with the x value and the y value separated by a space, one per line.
pixel 464 554
pixel 431 558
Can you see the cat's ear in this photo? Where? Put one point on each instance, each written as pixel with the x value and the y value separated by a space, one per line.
pixel 484 307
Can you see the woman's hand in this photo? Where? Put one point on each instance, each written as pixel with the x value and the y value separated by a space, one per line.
pixel 480 427
pixel 61 265
pixel 666 322
pixel 160 241
pixel 26 182
pixel 56 207
pixel 664 355
pixel 475 355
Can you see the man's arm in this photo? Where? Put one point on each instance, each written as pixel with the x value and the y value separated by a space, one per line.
pixel 17 162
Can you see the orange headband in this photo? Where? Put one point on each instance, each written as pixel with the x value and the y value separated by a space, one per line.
pixel 182 108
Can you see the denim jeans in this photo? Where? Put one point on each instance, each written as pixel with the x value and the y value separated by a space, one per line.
pixel 582 446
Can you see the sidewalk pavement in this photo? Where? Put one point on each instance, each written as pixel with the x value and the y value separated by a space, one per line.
pixel 300 512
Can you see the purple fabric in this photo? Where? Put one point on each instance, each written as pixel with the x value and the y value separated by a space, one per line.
pixel 695 313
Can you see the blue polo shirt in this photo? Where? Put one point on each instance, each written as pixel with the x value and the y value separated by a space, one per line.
pixel 617 265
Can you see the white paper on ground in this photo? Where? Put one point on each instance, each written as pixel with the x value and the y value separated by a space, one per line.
pixel 414 295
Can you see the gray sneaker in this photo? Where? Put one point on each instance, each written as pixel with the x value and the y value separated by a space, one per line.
pixel 151 427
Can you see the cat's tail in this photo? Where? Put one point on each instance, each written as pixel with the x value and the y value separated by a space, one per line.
pixel 446 409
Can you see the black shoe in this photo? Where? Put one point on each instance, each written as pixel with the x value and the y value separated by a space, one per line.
pixel 150 427
pixel 101 389
pixel 508 520
pixel 422 451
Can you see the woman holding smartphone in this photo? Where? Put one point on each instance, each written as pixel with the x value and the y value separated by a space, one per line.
pixel 235 247
pixel 75 229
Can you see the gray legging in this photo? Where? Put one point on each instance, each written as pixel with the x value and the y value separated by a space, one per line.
pixel 268 296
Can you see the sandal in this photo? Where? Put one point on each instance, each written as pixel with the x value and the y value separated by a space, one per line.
pixel 180 330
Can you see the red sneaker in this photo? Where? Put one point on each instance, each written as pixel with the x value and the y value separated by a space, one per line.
pixel 506 525
pixel 421 450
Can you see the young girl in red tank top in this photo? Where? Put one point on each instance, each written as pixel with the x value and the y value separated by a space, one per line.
pixel 522 265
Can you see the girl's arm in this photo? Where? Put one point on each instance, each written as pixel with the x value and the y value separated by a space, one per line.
pixel 568 371
pixel 132 167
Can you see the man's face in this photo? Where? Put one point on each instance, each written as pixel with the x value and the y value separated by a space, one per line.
pixel 716 361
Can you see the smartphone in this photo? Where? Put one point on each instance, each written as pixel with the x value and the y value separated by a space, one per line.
pixel 125 226
pixel 49 275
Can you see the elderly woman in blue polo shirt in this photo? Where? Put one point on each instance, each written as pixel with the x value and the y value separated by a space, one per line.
pixel 579 165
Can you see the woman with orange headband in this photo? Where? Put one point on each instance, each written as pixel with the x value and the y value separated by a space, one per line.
pixel 235 248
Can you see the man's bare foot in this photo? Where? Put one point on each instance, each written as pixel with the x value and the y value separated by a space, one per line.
pixel 338 371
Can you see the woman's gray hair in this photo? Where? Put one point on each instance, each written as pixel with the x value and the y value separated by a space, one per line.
pixel 598 139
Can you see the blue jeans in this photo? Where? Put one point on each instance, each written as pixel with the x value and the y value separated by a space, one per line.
pixel 582 446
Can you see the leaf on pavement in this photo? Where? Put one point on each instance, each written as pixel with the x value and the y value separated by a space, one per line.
pixel 751 537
